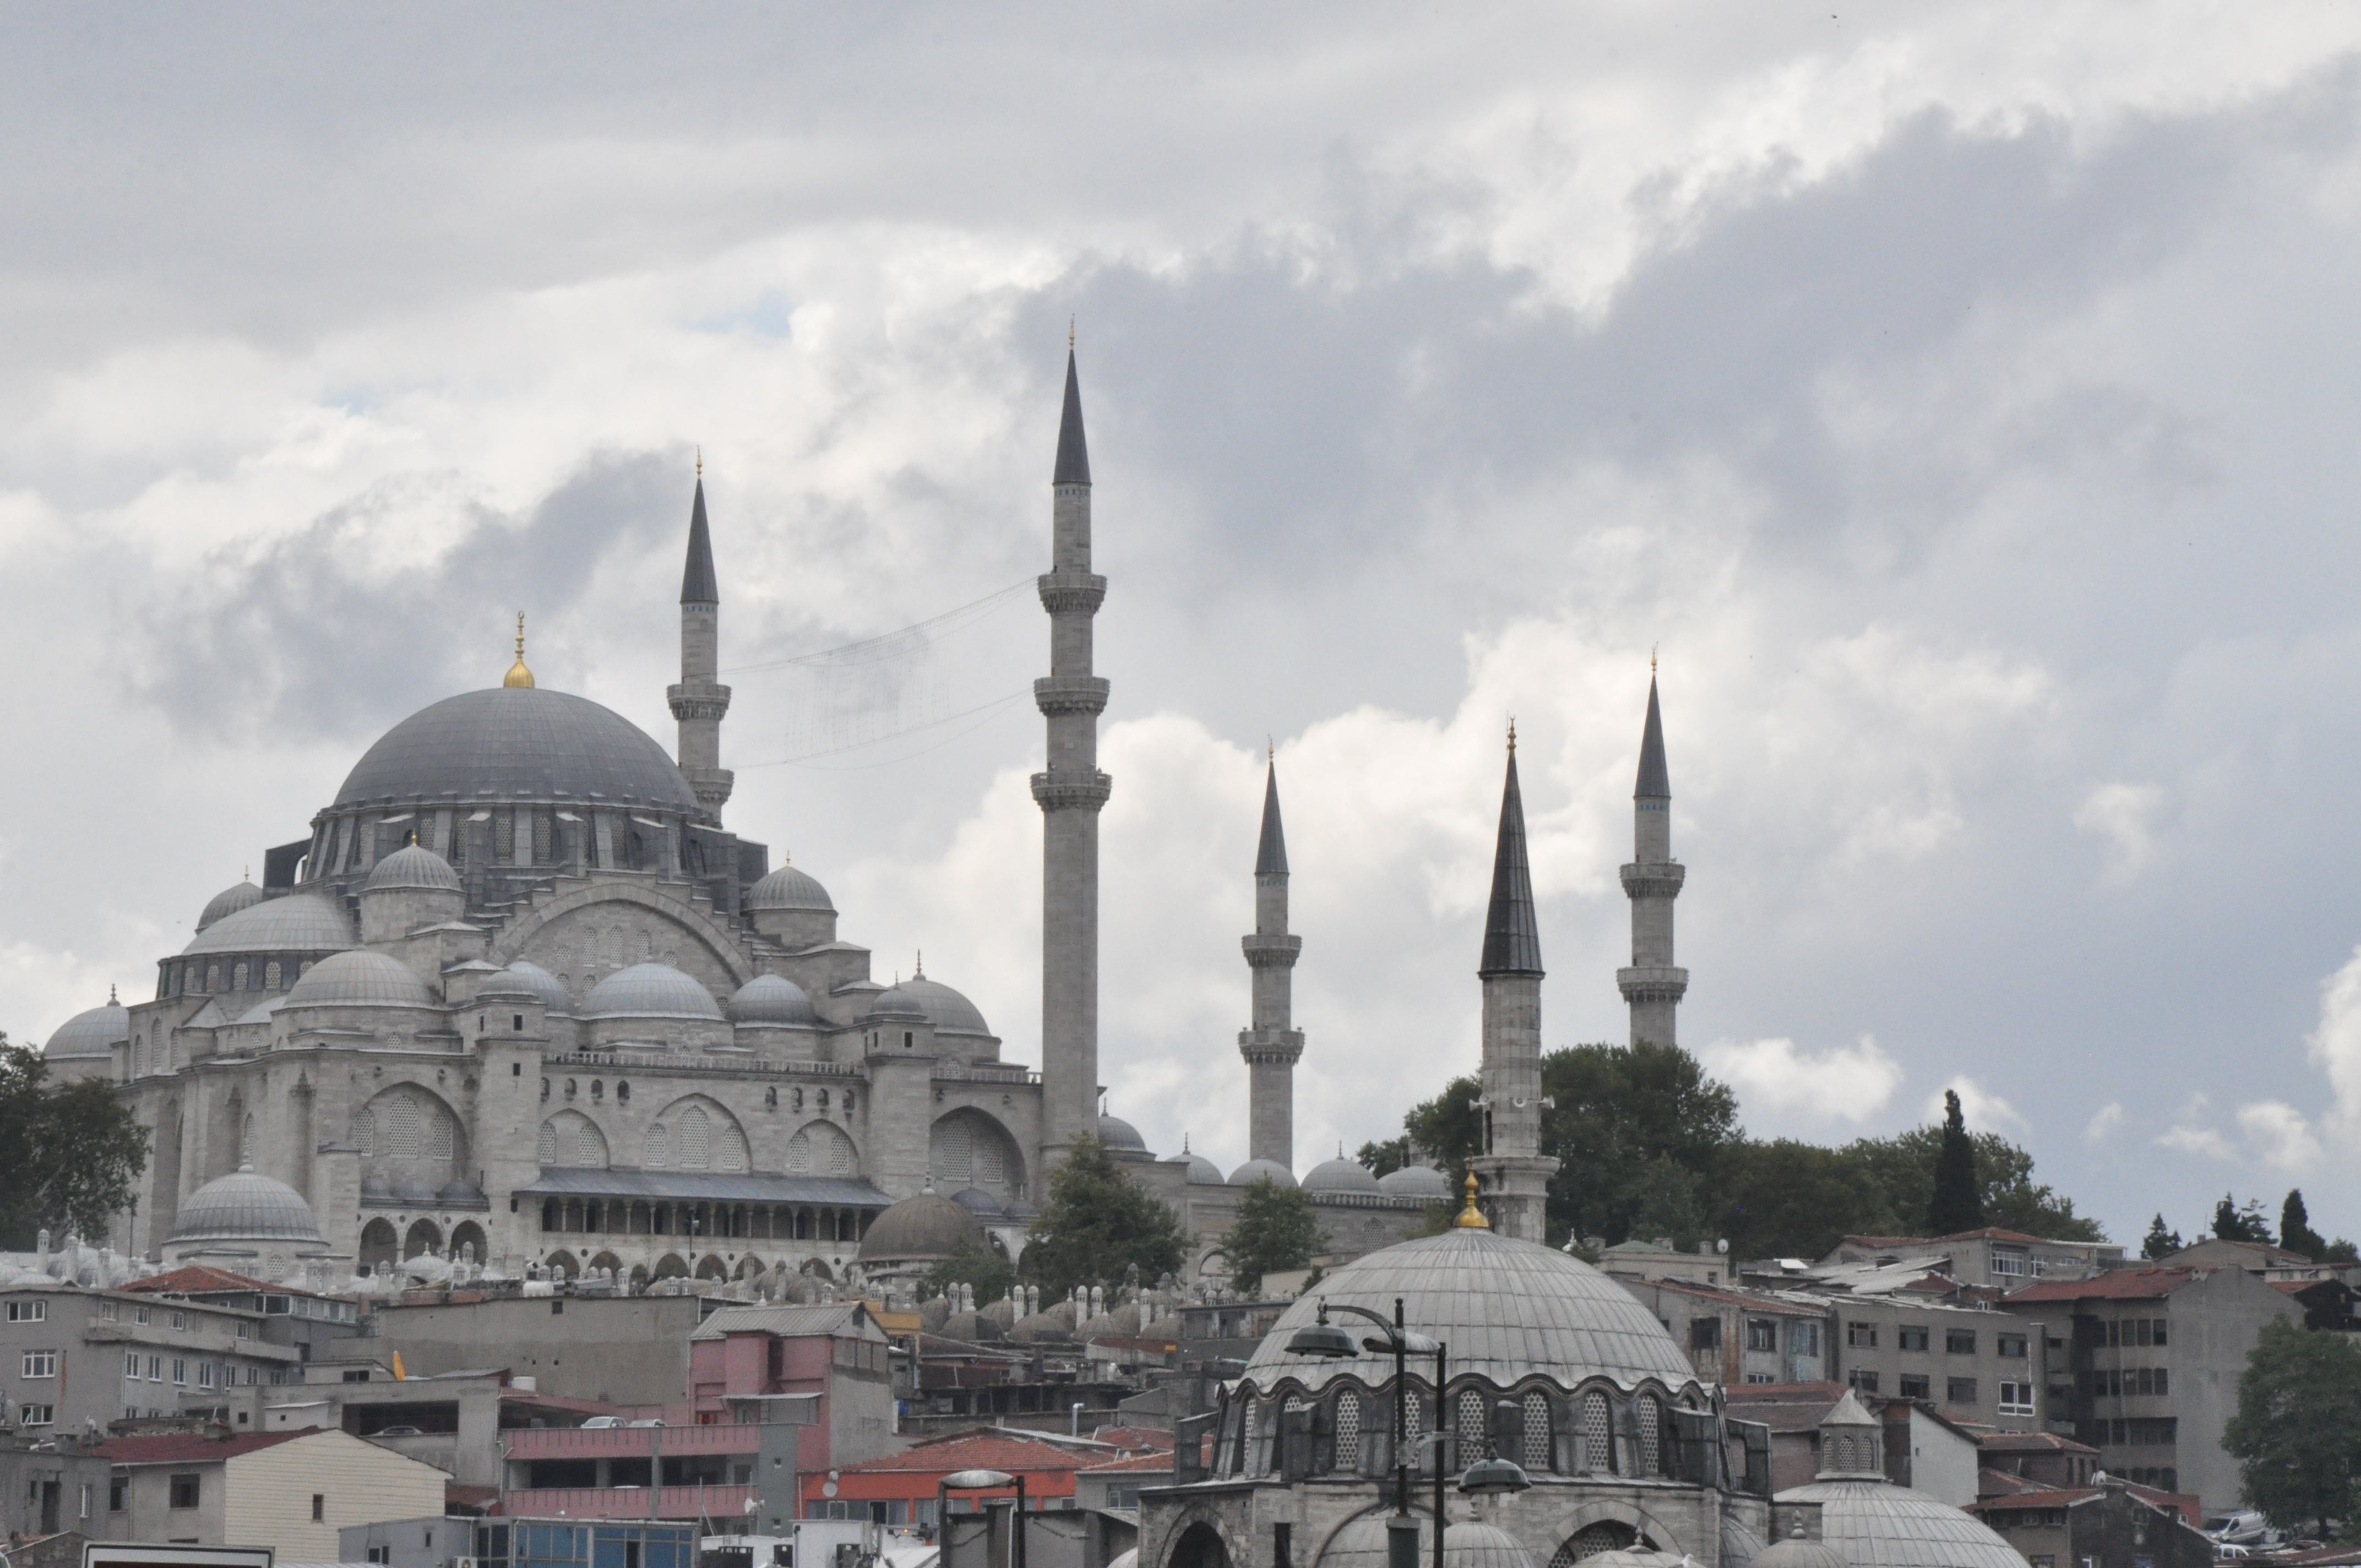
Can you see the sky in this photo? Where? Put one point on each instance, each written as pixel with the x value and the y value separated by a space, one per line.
pixel 1956 400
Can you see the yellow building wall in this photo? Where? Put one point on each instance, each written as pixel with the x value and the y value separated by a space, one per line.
pixel 267 1495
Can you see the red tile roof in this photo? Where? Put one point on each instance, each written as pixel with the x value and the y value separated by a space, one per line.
pixel 977 1451
pixel 1158 1463
pixel 197 1276
pixel 2115 1285
pixel 190 1448
pixel 2031 1442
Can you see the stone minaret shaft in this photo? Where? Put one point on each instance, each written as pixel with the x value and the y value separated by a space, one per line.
pixel 1272 1046
pixel 700 701
pixel 1654 985
pixel 1515 1172
pixel 1070 792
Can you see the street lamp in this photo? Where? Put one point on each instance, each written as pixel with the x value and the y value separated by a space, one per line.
pixel 979 1481
pixel 1326 1340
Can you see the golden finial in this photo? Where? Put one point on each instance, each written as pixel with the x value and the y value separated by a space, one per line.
pixel 1070 334
pixel 1512 735
pixel 1652 661
pixel 247 874
pixel 518 674
pixel 701 460
pixel 1471 1218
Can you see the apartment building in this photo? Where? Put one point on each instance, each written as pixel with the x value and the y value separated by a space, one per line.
pixel 1970 1363
pixel 289 1491
pixel 1737 1337
pixel 1990 1259
pixel 72 1358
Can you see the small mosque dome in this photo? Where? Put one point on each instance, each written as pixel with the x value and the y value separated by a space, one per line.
pixel 651 991
pixel 299 923
pixel 413 866
pixel 1422 1182
pixel 506 985
pixel 359 979
pixel 545 985
pixel 90 1033
pixel 1797 1552
pixel 1255 1170
pixel 788 888
pixel 950 1012
pixel 246 1206
pixel 1203 1172
pixel 926 1228
pixel 1343 1175
pixel 980 1203
pixel 414 1190
pixel 375 1185
pixel 1465 1544
pixel 238 895
pixel 775 1000
pixel 1118 1133
pixel 894 1001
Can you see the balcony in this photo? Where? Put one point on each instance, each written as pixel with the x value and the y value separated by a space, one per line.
pixel 625 1502
pixel 630 1443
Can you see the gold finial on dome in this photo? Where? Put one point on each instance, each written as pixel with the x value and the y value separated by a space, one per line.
pixel 1471 1218
pixel 518 674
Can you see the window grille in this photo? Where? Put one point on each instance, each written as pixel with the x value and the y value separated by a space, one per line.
pixel 1537 1432
pixel 1598 1441
pixel 1348 1432
pixel 504 836
pixel 1650 1419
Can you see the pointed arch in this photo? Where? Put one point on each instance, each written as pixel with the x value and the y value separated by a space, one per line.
pixel 968 1147
pixel 822 1149
pixel 699 1135
pixel 573 1140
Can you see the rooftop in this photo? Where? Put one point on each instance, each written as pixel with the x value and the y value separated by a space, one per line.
pixel 199 1279
pixel 2117 1285
pixel 1752 1301
pixel 2031 1442
pixel 190 1448
pixel 841 1319
pixel 987 1450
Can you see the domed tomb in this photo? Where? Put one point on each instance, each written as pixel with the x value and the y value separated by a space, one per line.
pixel 651 991
pixel 950 1012
pixel 925 1228
pixel 1120 1137
pixel 88 1034
pixel 789 889
pixel 517 744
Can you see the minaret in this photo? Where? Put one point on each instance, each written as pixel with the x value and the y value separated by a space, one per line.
pixel 1273 1045
pixel 1653 985
pixel 698 702
pixel 1516 1173
pixel 1070 793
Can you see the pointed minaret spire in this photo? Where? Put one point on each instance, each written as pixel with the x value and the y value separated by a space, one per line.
pixel 1513 938
pixel 696 583
pixel 1514 1169
pixel 1654 985
pixel 1073 452
pixel 1656 781
pixel 1271 1044
pixel 699 700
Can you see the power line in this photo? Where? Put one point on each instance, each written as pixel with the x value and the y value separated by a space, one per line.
pixel 897 643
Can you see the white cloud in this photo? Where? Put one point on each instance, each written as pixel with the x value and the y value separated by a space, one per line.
pixel 2122 814
pixel 2278 1135
pixel 2104 1124
pixel 2335 1044
pixel 1984 1110
pixel 2198 1140
pixel 1844 1083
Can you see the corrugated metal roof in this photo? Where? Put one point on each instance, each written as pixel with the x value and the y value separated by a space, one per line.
pixel 839 1319
pixel 2116 1285
pixel 743 1187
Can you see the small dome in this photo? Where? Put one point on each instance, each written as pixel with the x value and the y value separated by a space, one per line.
pixel 1465 1544
pixel 375 1185
pixel 247 1206
pixel 979 1202
pixel 545 985
pixel 1203 1172
pixel 299 923
pixel 1797 1552
pixel 1118 1133
pixel 359 979
pixel 1255 1170
pixel 950 1012
pixel 506 985
pixel 894 1001
pixel 651 991
pixel 89 1033
pixel 788 888
pixel 774 1000
pixel 413 866
pixel 1419 1181
pixel 1875 1524
pixel 1341 1175
pixel 923 1229
pixel 229 900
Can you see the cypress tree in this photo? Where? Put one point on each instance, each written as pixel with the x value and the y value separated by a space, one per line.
pixel 1959 1202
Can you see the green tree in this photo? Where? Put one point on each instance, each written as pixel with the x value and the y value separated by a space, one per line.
pixel 2235 1222
pixel 1449 1126
pixel 1384 1157
pixel 2296 1233
pixel 71 1154
pixel 1903 1169
pixel 2159 1242
pixel 1639 1135
pixel 2297 1433
pixel 1797 1200
pixel 971 1263
pixel 1097 1224
pixel 1276 1230
pixel 1958 1203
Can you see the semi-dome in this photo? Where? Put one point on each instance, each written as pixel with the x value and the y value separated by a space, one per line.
pixel 1465 1544
pixel 545 985
pixel 894 1002
pixel 299 923
pixel 246 1206
pixel 651 991
pixel 242 894
pixel 923 1229
pixel 359 979
pixel 413 866
pixel 788 888
pixel 1118 1133
pixel 517 743
pixel 950 1012
pixel 1422 1182
pixel 1341 1174
pixel 90 1033
pixel 1875 1524
pixel 1255 1171
pixel 1508 1309
pixel 774 1001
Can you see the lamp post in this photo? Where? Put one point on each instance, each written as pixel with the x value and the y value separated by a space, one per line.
pixel 981 1481
pixel 1329 1343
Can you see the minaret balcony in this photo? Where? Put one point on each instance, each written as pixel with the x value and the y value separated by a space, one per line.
pixel 700 699
pixel 1660 878
pixel 1062 591
pixel 1072 792
pixel 1271 952
pixel 1270 1047
pixel 1071 694
pixel 1653 983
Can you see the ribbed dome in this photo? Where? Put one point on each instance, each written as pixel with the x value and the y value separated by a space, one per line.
pixel 1875 1524
pixel 517 743
pixel 926 1228
pixel 979 1202
pixel 299 923
pixel 774 1000
pixel 545 985
pixel 506 985
pixel 412 866
pixel 950 1012
pixel 1797 1552
pixel 1420 1182
pixel 246 1207
pixel 1341 1174
pixel 1203 1172
pixel 788 888
pixel 228 902
pixel 359 979
pixel 1118 1133
pixel 894 1001
pixel 89 1033
pixel 649 991
pixel 1508 1309
pixel 1465 1544
pixel 1255 1170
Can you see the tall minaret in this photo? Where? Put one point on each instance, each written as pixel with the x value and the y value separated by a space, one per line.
pixel 698 702
pixel 1653 985
pixel 1516 1173
pixel 1070 793
pixel 1273 1045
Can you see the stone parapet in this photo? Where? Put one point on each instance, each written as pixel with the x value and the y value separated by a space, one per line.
pixel 1660 878
pixel 1062 591
pixel 698 700
pixel 1271 1047
pixel 1059 792
pixel 1071 694
pixel 1271 952
pixel 1664 985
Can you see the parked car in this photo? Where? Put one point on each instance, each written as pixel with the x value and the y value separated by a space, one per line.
pixel 2245 1528
pixel 604 1422
pixel 396 1431
pixel 650 1424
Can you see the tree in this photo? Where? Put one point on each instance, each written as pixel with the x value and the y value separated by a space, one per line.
pixel 2297 1433
pixel 1097 1224
pixel 2296 1233
pixel 1276 1230
pixel 71 1154
pixel 2235 1222
pixel 2159 1242
pixel 1958 1203
pixel 1638 1133
pixel 1449 1126
pixel 1384 1157
pixel 971 1263
pixel 1795 1199
pixel 1904 1167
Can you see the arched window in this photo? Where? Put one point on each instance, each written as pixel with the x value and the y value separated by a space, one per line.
pixel 270 974
pixel 1348 1432
pixel 238 977
pixel 657 1154
pixel 1649 1416
pixel 1537 1456
pixel 1598 1435
pixel 1471 1427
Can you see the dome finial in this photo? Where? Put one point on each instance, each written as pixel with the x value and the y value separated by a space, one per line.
pixel 920 972
pixel 518 674
pixel 1471 1218
pixel 245 873
pixel 1512 735
pixel 110 997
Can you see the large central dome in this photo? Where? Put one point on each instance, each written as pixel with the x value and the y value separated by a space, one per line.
pixel 517 743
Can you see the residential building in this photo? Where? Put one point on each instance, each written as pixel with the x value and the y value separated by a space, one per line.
pixel 2259 1258
pixel 901 1488
pixel 1791 1413
pixel 2146 1369
pixel 1991 1257
pixel 48 1484
pixel 2039 1459
pixel 1660 1259
pixel 1737 1336
pixel 2112 1522
pixel 75 1358
pixel 289 1491
pixel 1926 1451
pixel 454 1420
pixel 1970 1364
pixel 436 1542
pixel 620 1350
pixel 1921 1448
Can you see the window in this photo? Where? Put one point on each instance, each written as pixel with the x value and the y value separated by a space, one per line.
pixel 155 1369
pixel 139 1314
pixel 41 1363
pixel 1864 1381
pixel 1917 1386
pixel 245 1331
pixel 319 1506
pixel 1959 1342
pixel 205 1374
pixel 184 1491
pixel 2006 1262
pixel 131 1364
pixel 1804 1339
pixel 36 1415
pixel 1763 1334
pixel 179 1320
pixel 1911 1336
pixel 179 1371
pixel 84 1501
pixel 2011 1347
pixel 1862 1336
pixel 1760 1378
pixel 118 1493
pixel 1959 1390
pixel 110 1312
pixel 2016 1399
pixel 32 1311
pixel 1705 1333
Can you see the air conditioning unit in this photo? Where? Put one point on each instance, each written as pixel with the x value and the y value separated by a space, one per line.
pixel 463 1563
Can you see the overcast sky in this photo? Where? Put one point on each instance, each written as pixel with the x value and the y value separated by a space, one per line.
pixel 1961 397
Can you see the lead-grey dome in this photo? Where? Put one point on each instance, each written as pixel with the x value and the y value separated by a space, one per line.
pixel 774 1001
pixel 412 866
pixel 229 900
pixel 923 1229
pixel 246 1206
pixel 1118 1133
pixel 894 1002
pixel 1875 1524
pixel 1203 1172
pixel 90 1033
pixel 299 923
pixel 545 985
pixel 1796 1551
pixel 980 1203
pixel 359 979
pixel 651 991
pixel 1255 1170
pixel 517 743
pixel 1508 1309
pixel 950 1012
pixel 1465 1544
pixel 788 888
pixel 1341 1174
pixel 1420 1182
